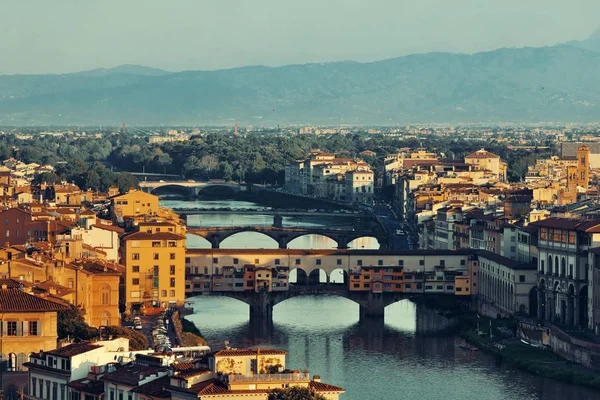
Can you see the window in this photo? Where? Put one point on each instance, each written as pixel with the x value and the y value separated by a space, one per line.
pixel 277 261
pixel 442 263
pixel 172 282
pixel 172 256
pixel 172 269
pixel 236 261
pixel 11 328
pixel 256 261
pixel 401 263
pixel 421 262
pixel 359 262
pixel 356 285
pixel 155 256
pixel 163 293
pixel 188 260
pixel 5 221
pixel 171 293
pixel 135 256
pixel 34 386
pixel 156 244
pixel 521 278
pixel 215 260
pixel 135 281
pixel 105 298
pixel 297 261
pixel 135 268
pixel 462 262
pixel 155 270
pixel 379 262
pixel 33 328
pixel 318 261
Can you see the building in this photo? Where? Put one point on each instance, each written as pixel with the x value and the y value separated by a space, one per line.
pixel 417 271
pixel 569 150
pixel 506 287
pixel 488 161
pixel 99 236
pixel 563 268
pixel 154 260
pixel 133 204
pixel 52 372
pixel 28 324
pixel 244 374
pixel 594 291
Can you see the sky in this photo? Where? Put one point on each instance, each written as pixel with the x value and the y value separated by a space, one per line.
pixel 59 36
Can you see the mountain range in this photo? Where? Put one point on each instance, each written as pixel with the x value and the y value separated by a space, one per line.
pixel 558 83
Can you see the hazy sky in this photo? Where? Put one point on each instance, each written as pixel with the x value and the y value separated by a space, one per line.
pixel 40 36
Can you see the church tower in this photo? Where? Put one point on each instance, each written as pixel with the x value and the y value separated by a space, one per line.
pixel 583 166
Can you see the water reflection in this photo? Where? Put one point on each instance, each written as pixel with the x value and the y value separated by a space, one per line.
pixel 373 359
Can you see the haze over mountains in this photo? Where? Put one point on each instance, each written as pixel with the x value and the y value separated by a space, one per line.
pixel 550 84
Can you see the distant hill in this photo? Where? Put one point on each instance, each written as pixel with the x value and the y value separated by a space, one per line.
pixel 558 83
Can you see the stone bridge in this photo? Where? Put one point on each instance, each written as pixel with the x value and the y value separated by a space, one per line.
pixel 261 303
pixel 193 188
pixel 283 236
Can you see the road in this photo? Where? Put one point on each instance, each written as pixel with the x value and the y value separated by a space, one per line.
pixel 148 322
pixel 391 224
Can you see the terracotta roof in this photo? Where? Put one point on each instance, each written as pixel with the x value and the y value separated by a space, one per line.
pixel 14 300
pixel 152 236
pixel 155 388
pixel 11 283
pixel 482 154
pixel 94 387
pixel 488 255
pixel 132 374
pixel 112 228
pixel 324 387
pixel 569 224
pixel 47 285
pixel 326 252
pixel 73 349
pixel 248 352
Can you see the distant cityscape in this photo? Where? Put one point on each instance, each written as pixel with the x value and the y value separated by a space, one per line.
pixel 97 274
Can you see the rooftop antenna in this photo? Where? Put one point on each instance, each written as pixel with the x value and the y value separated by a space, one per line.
pixel 124 128
pixel 235 130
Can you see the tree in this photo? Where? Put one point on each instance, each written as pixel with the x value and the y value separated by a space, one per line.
pixel 295 393
pixel 71 324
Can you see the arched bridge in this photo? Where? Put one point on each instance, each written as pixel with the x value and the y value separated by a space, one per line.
pixel 193 188
pixel 285 235
pixel 261 303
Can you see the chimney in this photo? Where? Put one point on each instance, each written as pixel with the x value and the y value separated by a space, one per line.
pixel 316 378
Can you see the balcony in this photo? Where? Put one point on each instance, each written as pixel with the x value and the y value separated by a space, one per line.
pixel 295 377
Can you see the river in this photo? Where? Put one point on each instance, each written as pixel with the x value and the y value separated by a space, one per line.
pixel 372 361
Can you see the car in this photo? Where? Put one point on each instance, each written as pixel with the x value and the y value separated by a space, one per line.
pixel 139 327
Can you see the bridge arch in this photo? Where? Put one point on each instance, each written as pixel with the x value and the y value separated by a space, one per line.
pixel 216 190
pixel 339 276
pixel 298 276
pixel 364 242
pixel 315 241
pixel 170 188
pixel 317 276
pixel 259 240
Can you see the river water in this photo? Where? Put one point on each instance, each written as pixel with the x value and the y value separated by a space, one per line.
pixel 371 360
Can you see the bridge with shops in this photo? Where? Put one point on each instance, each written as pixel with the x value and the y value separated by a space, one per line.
pixel 283 236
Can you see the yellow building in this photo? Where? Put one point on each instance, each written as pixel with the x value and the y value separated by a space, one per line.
pixel 488 161
pixel 154 260
pixel 134 203
pixel 249 374
pixel 68 273
pixel 29 324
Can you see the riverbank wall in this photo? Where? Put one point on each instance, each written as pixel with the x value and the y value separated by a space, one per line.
pixel 570 348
